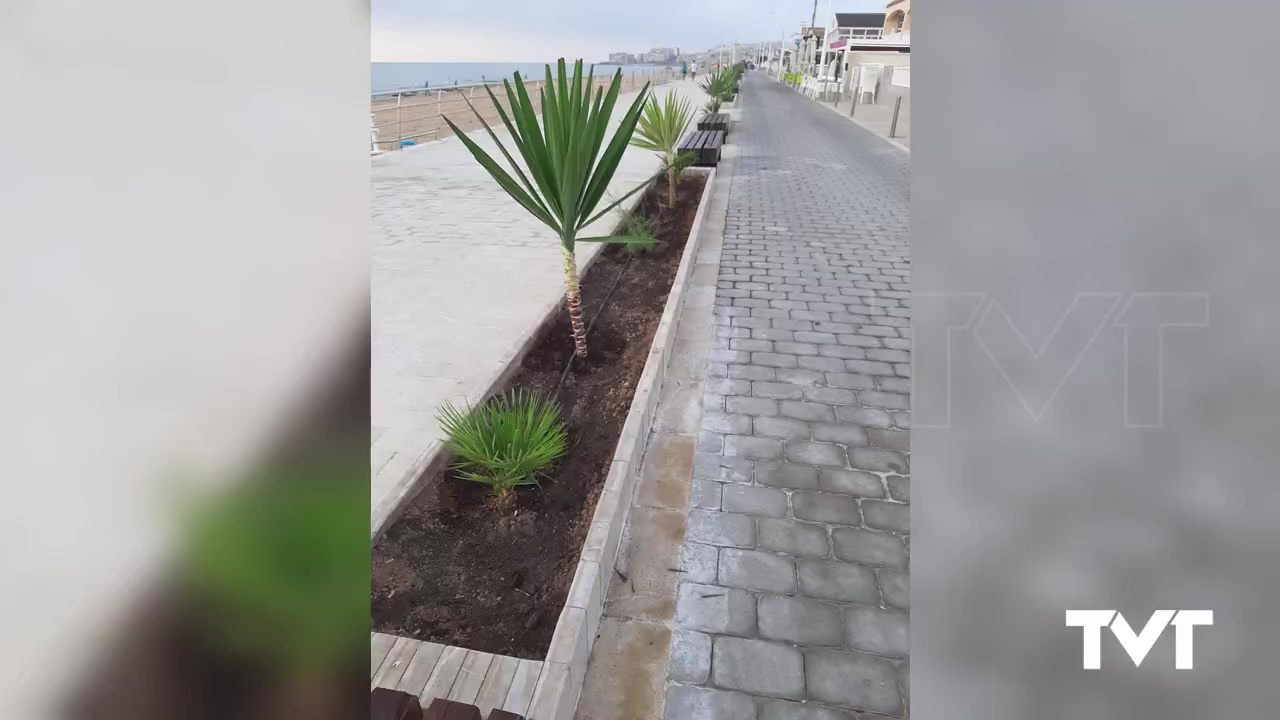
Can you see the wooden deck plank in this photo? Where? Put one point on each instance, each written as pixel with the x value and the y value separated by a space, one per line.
pixel 471 677
pixel 379 645
pixel 396 663
pixel 443 676
pixel 419 670
pixel 493 692
pixel 520 696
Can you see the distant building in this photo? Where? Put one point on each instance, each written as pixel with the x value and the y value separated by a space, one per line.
pixel 898 18
pixel 622 58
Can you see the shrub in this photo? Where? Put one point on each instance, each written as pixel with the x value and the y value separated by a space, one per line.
pixel 506 441
pixel 644 234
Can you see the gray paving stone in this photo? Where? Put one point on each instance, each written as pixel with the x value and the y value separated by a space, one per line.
pixel 751 345
pixel 775 360
pixel 868 547
pixel 843 434
pixel 751 405
pixel 751 372
pixel 782 428
pixel 809 453
pixel 878 460
pixel 848 354
pixel 757 570
pixel 715 609
pixel 803 622
pixel 840 379
pixel 826 507
pixel 789 536
pixel 686 702
pixel 796 348
pixel 777 390
pixel 750 446
pixel 868 367
pixel 800 376
pixel 891 401
pixel 728 386
pixel 899 487
pixel 705 494
pixel 823 364
pixel 899 440
pixel 895 384
pixel 786 475
pixel 690 657
pixel 851 482
pixel 721 528
pixel 699 562
pixel 812 412
pixel 710 442
pixel 854 680
pixel 895 586
pixel 887 516
pixel 758 667
pixel 864 341
pixel 724 469
pixel 725 423
pixel 830 395
pixel 867 417
pixel 870 629
pixel 787 710
pixel 838 581
pixel 754 500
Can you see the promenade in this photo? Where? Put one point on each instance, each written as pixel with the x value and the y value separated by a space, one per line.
pixel 460 275
pixel 765 575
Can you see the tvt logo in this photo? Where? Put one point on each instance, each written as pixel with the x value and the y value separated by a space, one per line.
pixel 1139 644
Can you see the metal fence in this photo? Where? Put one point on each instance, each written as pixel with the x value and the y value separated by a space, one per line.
pixel 399 118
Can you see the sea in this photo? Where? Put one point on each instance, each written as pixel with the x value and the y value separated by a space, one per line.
pixel 403 75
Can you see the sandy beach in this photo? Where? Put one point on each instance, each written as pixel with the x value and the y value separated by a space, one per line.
pixel 419 116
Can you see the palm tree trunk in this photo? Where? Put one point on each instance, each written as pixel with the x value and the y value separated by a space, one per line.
pixel 573 298
pixel 671 181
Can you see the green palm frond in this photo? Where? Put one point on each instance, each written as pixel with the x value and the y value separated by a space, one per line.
pixel 506 441
pixel 663 124
pixel 568 161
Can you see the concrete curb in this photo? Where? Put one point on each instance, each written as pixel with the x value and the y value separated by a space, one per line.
pixel 556 695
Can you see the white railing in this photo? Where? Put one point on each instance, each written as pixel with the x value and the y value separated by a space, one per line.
pixel 871 36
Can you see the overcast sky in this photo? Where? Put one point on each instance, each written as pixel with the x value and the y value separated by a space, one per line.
pixel 542 30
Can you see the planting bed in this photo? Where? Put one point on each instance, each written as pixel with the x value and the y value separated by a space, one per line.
pixel 456 568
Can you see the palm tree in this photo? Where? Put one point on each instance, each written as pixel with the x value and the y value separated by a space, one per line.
pixel 561 156
pixel 660 129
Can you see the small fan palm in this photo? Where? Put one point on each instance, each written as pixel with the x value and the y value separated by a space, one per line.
pixel 568 159
pixel 506 441
pixel 660 128
pixel 719 84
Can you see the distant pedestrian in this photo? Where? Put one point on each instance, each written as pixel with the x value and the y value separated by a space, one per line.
pixel 684 71
pixel 693 70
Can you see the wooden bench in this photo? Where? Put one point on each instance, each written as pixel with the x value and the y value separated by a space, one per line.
pixel 705 144
pixel 716 121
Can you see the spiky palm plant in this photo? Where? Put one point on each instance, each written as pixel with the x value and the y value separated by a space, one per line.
pixel 565 159
pixel 660 129
pixel 506 441
pixel 719 84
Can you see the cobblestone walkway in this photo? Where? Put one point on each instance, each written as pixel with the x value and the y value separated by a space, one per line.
pixel 794 600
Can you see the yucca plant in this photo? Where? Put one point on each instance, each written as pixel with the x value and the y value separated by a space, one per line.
pixel 713 105
pixel 566 156
pixel 506 441
pixel 660 128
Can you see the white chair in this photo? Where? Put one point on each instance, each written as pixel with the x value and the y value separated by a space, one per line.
pixel 869 80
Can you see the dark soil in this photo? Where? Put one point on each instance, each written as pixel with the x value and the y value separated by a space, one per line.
pixel 456 568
